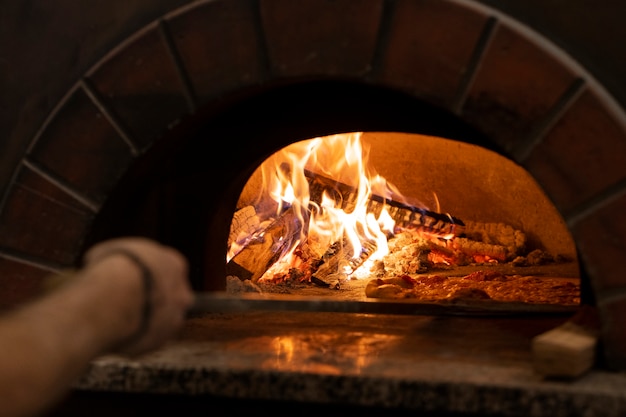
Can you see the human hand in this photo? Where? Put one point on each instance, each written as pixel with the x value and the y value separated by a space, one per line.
pixel 167 295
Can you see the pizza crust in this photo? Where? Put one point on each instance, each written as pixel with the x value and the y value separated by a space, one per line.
pixel 485 286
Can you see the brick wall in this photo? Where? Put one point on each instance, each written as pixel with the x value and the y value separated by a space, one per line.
pixel 533 102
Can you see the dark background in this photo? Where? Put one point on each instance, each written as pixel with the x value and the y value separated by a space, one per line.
pixel 45 47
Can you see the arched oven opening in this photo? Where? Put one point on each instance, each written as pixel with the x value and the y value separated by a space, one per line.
pixel 184 191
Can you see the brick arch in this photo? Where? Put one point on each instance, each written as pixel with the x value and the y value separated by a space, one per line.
pixel 528 97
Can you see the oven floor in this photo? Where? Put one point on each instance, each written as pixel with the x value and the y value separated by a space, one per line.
pixel 326 362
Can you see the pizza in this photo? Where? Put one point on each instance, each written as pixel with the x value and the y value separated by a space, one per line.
pixel 481 286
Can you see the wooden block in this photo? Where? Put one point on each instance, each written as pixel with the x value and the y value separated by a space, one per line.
pixel 261 253
pixel 568 350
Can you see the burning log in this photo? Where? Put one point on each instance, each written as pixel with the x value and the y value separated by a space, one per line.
pixel 479 242
pixel 265 247
pixel 473 241
pixel 245 223
pixel 404 215
pixel 339 262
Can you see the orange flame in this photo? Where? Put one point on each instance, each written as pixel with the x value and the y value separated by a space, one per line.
pixel 343 158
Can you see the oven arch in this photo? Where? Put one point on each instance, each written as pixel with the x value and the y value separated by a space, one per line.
pixel 526 96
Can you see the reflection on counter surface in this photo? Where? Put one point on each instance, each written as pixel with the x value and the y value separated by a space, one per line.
pixel 450 366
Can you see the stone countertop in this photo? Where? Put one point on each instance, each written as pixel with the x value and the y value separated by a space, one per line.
pixel 473 365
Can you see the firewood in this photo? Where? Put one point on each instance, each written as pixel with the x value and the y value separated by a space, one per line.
pixel 339 261
pixel 262 251
pixel 245 223
pixel 403 214
pixel 568 350
pixel 266 248
pixel 510 241
pixel 472 247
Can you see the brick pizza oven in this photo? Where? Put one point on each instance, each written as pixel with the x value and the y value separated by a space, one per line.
pixel 183 110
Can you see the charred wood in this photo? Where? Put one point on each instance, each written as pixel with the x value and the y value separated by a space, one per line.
pixel 245 223
pixel 266 247
pixel 339 262
pixel 405 216
pixel 496 240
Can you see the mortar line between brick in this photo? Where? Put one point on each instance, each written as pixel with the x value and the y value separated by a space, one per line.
pixel 61 184
pixel 94 96
pixel 474 64
pixel 33 143
pixel 52 116
pixel 595 203
pixel 172 50
pixel 30 260
pixel 563 104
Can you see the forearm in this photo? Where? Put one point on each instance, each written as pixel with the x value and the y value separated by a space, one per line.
pixel 40 358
